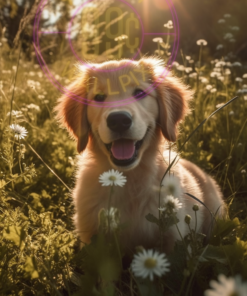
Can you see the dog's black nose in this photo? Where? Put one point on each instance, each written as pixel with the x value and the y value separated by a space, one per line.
pixel 119 121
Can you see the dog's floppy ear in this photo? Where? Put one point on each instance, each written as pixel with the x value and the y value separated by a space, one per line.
pixel 172 97
pixel 72 111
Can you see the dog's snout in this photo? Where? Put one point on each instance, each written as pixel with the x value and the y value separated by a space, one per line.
pixel 119 121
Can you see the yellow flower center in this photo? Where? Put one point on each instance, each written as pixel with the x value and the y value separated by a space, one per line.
pixel 150 263
pixel 112 178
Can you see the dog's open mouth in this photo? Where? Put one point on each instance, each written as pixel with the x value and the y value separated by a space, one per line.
pixel 124 151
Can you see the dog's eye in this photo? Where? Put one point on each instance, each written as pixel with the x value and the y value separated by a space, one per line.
pixel 100 97
pixel 139 93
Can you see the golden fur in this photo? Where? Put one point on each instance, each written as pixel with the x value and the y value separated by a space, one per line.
pixel 155 118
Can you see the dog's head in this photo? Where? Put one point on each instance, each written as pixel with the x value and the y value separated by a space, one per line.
pixel 123 131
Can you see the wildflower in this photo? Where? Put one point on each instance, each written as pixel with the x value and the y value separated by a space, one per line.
pixel 195 208
pixel 121 37
pixel 171 186
pixel 231 113
pixel 158 39
pixel 235 28
pixel 19 131
pixel 213 90
pixel 227 287
pixel 149 263
pixel 15 113
pixel 193 75
pixel 40 74
pixel 203 80
pixel 175 64
pixel 31 73
pixel 110 217
pixel 14 68
pixel 232 40
pixel 240 144
pixel 169 25
pixel 245 75
pixel 188 58
pixel 188 69
pixel 236 64
pixel 201 42
pixel 111 178
pixel 227 15
pixel 214 74
pixel 221 78
pixel 245 98
pixel 217 70
pixel 228 36
pixel 227 72
pixel 34 107
pixel 33 84
pixel 220 105
pixel 41 97
pixel 181 68
pixel 171 204
pixel 238 79
pixel 57 77
pixel 221 21
pixel 191 61
pixel 220 64
pixel 187 219
pixel 243 172
pixel 209 87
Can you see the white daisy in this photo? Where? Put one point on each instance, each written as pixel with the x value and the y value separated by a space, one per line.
pixel 158 39
pixel 219 46
pixel 169 25
pixel 34 107
pixel 221 21
pixel 149 263
pixel 15 113
pixel 201 42
pixel 171 186
pixel 227 287
pixel 20 132
pixel 228 36
pixel 111 178
pixel 171 204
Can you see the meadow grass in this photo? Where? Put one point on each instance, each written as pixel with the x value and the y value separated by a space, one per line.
pixel 39 249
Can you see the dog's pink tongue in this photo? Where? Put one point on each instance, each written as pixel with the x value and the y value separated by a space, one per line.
pixel 123 149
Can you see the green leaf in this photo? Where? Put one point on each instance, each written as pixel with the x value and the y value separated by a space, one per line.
pixel 16 234
pixel 164 223
pixel 222 228
pixel 30 268
pixel 151 218
pixel 215 254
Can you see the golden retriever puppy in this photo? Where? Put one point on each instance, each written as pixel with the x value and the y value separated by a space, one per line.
pixel 132 109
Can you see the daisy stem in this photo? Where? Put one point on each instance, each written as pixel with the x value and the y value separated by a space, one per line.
pixel 160 230
pixel 182 239
pixel 195 221
pixel 19 158
pixel 118 249
pixel 109 204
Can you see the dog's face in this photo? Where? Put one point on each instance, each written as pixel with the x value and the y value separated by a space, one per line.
pixel 139 101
